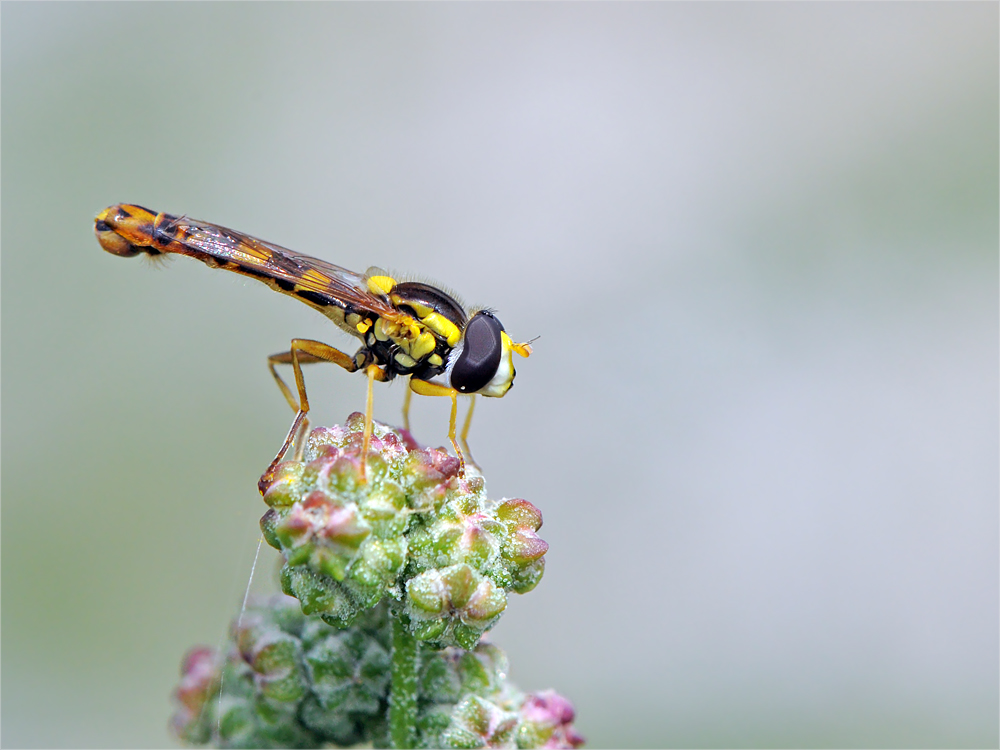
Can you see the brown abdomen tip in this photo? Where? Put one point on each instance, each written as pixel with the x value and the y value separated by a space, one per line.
pixel 109 226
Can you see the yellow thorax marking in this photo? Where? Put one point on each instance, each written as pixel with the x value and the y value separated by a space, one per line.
pixel 433 320
pixel 421 310
pixel 380 284
pixel 423 346
pixel 443 327
pixel 405 359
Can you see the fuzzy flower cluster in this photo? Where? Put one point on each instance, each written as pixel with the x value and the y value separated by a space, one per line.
pixel 405 527
pixel 291 680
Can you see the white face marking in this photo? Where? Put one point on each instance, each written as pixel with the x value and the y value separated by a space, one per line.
pixel 504 377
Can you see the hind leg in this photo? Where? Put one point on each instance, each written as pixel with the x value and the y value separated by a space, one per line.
pixel 301 352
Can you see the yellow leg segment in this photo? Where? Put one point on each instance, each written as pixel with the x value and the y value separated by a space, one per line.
pixel 464 438
pixel 423 388
pixel 374 372
pixel 406 409
pixel 301 352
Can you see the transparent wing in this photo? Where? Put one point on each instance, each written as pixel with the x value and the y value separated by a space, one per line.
pixel 255 257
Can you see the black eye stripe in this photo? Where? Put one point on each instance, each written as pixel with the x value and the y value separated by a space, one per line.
pixel 481 351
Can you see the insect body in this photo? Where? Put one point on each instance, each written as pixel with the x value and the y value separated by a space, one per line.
pixel 407 328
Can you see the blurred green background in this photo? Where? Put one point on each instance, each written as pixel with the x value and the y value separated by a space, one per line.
pixel 759 243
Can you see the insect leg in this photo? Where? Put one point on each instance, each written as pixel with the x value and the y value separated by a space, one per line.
pixel 424 388
pixel 464 437
pixel 374 372
pixel 302 351
pixel 406 409
pixel 301 424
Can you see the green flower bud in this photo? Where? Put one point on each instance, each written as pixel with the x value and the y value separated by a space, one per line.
pixel 341 530
pixel 409 528
pixel 290 680
pixel 453 605
pixel 476 722
pixel 401 529
pixel 349 671
pixel 467 556
pixel 449 674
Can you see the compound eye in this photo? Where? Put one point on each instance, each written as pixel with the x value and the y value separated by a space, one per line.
pixel 480 356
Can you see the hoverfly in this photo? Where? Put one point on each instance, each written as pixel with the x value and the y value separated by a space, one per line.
pixel 407 328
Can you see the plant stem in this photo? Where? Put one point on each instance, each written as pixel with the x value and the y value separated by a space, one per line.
pixel 403 698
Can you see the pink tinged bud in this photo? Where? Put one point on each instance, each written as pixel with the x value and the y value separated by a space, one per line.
pixel 443 463
pixel 285 487
pixel 324 464
pixel 472 484
pixel 526 546
pixel 434 464
pixel 467 507
pixel 551 717
pixel 345 526
pixel 198 662
pixel 408 440
pixel 520 513
pixel 388 446
pixel 296 527
pixel 461 583
pixel 355 422
pixel 476 542
pixel 322 437
pixel 318 516
pixel 199 674
pixel 317 501
pixel 548 707
pixel 384 503
pixel 566 737
pixel 348 464
pixel 428 592
pixel 486 602
pixel 491 724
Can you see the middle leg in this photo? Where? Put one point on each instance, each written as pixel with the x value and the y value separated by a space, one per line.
pixel 374 372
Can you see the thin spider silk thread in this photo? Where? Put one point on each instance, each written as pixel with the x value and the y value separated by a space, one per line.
pixel 239 622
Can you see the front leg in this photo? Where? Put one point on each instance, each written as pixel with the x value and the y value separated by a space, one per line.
pixel 374 372
pixel 426 388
